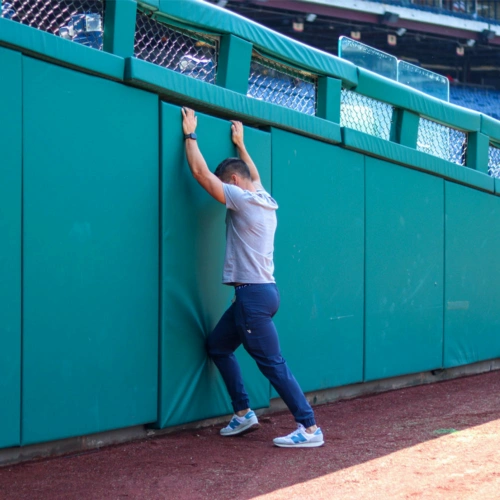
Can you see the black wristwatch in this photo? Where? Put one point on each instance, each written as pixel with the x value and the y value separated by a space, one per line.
pixel 190 136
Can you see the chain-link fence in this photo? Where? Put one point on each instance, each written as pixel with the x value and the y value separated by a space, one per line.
pixel 365 114
pixel 274 82
pixel 441 141
pixel 78 20
pixel 494 162
pixel 188 52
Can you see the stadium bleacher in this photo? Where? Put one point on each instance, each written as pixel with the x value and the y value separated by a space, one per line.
pixel 486 101
pixel 482 10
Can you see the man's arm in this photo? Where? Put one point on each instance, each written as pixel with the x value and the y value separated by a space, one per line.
pixel 197 164
pixel 237 137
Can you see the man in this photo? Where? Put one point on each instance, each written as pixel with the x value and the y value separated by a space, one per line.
pixel 248 267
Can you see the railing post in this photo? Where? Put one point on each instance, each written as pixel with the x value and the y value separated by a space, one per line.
pixel 404 128
pixel 119 27
pixel 235 57
pixel 329 97
pixel 477 151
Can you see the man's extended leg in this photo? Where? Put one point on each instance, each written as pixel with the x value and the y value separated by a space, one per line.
pixel 256 307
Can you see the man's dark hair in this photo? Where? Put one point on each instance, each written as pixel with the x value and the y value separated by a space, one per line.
pixel 232 166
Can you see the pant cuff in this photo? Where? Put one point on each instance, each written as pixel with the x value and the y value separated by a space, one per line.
pixel 241 405
pixel 308 422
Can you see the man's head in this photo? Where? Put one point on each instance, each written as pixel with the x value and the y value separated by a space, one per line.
pixel 231 170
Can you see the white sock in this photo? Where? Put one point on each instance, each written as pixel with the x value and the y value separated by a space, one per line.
pixel 242 419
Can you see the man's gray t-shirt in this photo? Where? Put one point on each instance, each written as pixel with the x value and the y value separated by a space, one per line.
pixel 250 227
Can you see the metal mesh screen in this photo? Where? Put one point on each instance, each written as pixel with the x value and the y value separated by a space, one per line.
pixel 274 82
pixel 78 20
pixel 188 52
pixel 441 141
pixel 365 114
pixel 494 162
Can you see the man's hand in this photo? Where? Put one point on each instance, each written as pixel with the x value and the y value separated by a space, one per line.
pixel 237 137
pixel 197 164
pixel 237 133
pixel 189 121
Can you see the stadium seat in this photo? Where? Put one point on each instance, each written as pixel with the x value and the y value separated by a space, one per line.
pixel 486 101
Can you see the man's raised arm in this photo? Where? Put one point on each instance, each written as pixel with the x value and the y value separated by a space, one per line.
pixel 237 137
pixel 197 164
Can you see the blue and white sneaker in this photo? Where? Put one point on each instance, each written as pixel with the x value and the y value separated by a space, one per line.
pixel 241 425
pixel 301 439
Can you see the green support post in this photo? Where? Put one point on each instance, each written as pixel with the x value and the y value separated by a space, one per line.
pixel 119 27
pixel 233 70
pixel 329 91
pixel 404 128
pixel 477 151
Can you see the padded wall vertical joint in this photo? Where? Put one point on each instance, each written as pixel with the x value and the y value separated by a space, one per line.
pixel 119 27
pixel 404 128
pixel 235 56
pixel 10 247
pixel 329 90
pixel 477 151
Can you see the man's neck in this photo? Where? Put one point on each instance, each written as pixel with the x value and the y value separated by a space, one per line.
pixel 248 186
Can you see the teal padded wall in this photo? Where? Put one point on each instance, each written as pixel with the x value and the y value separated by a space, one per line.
pixel 472 291
pixel 80 246
pixel 48 46
pixel 10 247
pixel 404 270
pixel 91 216
pixel 193 298
pixel 319 259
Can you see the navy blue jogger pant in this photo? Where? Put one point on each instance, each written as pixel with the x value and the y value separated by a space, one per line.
pixel 249 322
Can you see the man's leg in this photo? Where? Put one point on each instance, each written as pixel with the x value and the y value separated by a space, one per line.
pixel 255 307
pixel 221 344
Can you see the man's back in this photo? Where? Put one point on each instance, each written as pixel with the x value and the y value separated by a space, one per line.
pixel 250 227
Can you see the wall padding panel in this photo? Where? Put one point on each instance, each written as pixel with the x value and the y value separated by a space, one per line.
pixel 319 259
pixel 193 298
pixel 472 291
pixel 91 264
pixel 10 246
pixel 404 270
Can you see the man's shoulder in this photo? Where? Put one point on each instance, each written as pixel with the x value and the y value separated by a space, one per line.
pixel 258 186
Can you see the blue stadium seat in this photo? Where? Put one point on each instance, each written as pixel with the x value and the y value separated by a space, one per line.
pixel 6 11
pixel 85 29
pixel 486 101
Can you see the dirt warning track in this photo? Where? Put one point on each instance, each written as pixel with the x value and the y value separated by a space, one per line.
pixel 438 441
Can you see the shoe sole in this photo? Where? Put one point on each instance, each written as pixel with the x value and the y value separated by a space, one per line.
pixel 301 445
pixel 240 432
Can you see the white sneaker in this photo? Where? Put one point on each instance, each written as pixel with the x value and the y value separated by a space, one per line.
pixel 241 425
pixel 301 439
